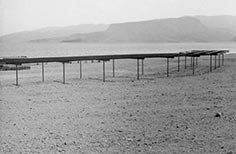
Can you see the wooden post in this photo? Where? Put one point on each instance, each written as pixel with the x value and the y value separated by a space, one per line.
pixel 17 75
pixel 215 61
pixel 142 67
pixel 167 67
pixel 137 69
pixel 196 61
pixel 113 67
pixel 64 76
pixel 178 63
pixel 193 65
pixel 210 63
pixel 103 62
pixel 185 62
pixel 42 72
pixel 80 69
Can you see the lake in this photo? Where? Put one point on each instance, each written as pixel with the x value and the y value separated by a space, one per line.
pixel 78 49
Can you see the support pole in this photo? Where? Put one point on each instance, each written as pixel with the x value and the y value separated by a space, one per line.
pixel 103 62
pixel 42 72
pixel 137 69
pixel 215 61
pixel 167 67
pixel 193 65
pixel 223 59
pixel 219 60
pixel 185 62
pixel 142 67
pixel 178 63
pixel 17 75
pixel 113 67
pixel 64 76
pixel 80 69
pixel 210 63
pixel 196 61
pixel 191 61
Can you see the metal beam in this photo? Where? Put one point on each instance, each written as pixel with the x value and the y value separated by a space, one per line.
pixel 80 69
pixel 86 58
pixel 167 67
pixel 219 60
pixel 17 75
pixel 193 65
pixel 137 69
pixel 24 60
pixel 178 63
pixel 64 76
pixel 210 63
pixel 185 62
pixel 42 72
pixel 191 61
pixel 215 61
pixel 113 67
pixel 142 67
pixel 103 63
pixel 223 59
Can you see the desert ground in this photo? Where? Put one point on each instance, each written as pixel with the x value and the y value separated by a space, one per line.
pixel 181 114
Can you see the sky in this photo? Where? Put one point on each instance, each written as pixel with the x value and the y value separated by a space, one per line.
pixel 21 15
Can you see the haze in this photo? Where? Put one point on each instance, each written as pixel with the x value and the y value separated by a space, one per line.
pixel 21 15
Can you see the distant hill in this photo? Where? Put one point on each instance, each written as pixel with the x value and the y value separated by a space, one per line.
pixel 52 33
pixel 183 29
pixel 224 22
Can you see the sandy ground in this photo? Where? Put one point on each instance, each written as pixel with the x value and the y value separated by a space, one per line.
pixel 157 115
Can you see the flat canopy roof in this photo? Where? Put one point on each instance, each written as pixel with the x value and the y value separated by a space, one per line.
pixel 108 57
pixel 198 53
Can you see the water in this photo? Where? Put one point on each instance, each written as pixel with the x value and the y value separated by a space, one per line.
pixel 78 49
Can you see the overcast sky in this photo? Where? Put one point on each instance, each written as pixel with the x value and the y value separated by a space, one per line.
pixel 19 15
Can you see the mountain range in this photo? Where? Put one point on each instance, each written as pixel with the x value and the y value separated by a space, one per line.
pixel 182 29
pixel 52 34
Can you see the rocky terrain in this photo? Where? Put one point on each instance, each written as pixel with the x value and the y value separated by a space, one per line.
pixel 182 114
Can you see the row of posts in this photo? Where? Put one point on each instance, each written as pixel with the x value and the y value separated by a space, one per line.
pixel 194 60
